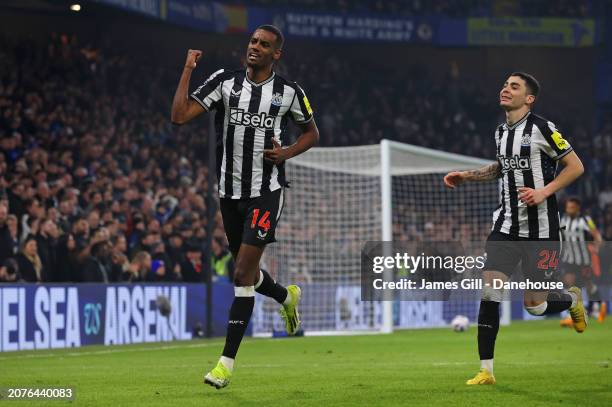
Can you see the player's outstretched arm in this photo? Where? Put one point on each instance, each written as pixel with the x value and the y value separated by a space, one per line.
pixel 572 169
pixel 597 239
pixel 486 173
pixel 183 108
pixel 308 138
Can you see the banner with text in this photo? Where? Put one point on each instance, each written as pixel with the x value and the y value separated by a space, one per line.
pixel 436 30
pixel 63 316
pixel 550 32
pixel 355 27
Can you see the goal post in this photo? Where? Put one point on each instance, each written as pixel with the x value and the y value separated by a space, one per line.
pixel 341 197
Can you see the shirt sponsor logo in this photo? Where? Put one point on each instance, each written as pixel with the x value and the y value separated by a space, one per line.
pixel 514 163
pixel 261 120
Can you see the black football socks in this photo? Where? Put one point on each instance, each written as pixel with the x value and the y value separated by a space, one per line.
pixel 270 288
pixel 239 316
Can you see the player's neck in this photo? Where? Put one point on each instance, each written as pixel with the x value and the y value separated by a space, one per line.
pixel 513 116
pixel 258 75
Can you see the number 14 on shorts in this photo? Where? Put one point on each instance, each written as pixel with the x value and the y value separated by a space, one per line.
pixel 264 221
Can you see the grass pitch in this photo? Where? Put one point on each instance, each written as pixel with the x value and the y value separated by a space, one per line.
pixel 537 363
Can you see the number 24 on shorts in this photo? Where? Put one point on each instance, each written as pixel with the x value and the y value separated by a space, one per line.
pixel 548 259
pixel 264 221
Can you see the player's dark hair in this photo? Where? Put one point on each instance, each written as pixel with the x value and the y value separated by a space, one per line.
pixel 280 38
pixel 575 200
pixel 533 86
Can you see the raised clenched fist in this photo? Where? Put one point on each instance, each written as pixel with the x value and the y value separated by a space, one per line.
pixel 192 57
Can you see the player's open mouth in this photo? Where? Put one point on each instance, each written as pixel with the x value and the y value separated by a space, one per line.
pixel 252 56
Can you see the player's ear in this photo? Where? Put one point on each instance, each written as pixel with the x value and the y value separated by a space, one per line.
pixel 530 99
pixel 277 54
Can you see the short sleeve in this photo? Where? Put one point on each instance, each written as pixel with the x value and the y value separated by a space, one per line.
pixel 300 109
pixel 557 146
pixel 210 91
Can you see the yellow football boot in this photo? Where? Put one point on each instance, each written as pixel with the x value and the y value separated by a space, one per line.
pixel 483 377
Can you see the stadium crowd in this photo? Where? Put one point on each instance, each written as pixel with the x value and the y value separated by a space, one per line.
pixel 97 185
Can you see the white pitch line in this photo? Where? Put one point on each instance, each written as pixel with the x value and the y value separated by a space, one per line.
pixel 110 351
pixel 550 363
pixel 122 349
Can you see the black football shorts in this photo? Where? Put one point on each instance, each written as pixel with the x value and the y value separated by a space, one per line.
pixel 538 258
pixel 252 220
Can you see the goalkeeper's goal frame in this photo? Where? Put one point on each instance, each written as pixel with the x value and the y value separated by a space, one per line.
pixel 331 305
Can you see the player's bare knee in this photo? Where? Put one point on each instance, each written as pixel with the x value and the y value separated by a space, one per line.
pixel 241 277
pixel 535 301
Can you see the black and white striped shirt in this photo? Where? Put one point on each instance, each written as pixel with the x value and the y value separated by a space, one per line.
pixel 528 152
pixel 249 115
pixel 577 234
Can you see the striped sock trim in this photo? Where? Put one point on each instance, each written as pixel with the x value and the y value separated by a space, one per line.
pixel 248 291
pixel 227 362
pixel 260 281
pixel 487 364
pixel 538 309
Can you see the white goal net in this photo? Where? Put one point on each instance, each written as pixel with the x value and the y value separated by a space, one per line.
pixel 341 198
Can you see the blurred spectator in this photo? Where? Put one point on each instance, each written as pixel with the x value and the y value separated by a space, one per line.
pixel 48 247
pixel 192 268
pixel 68 267
pixel 28 260
pixel 97 267
pixel 9 271
pixel 175 249
pixel 6 244
pixel 161 272
pixel 13 233
pixel 119 266
pixel 138 269
pixel 222 262
pixel 169 272
pixel 80 233
pixel 158 271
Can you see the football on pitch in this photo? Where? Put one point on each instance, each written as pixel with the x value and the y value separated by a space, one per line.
pixel 460 323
